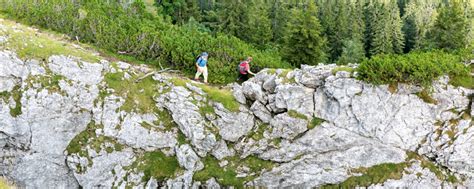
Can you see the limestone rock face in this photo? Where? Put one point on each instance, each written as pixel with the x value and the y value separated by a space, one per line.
pixel 12 71
pixel 69 123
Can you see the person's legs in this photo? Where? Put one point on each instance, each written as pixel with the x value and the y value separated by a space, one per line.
pixel 204 73
pixel 198 73
pixel 245 77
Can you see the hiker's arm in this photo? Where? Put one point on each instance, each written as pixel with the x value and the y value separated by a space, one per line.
pixel 250 72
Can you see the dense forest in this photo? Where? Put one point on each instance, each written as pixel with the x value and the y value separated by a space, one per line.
pixel 277 33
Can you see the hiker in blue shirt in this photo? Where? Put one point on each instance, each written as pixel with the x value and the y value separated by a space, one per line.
pixel 201 65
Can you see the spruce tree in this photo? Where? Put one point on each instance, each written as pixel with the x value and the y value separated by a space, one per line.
pixel 352 52
pixel 388 36
pixel 450 30
pixel 304 43
pixel 258 29
pixel 233 15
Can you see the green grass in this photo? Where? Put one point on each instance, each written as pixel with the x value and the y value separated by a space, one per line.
pixel 258 134
pixel 372 175
pixel 182 138
pixel 382 172
pixel 16 94
pixel 28 43
pixel 227 175
pixel 315 122
pixel 295 114
pixel 88 137
pixel 438 171
pixel 165 118
pixel 179 81
pixel 223 96
pixel 462 81
pixel 157 165
pixel 426 96
pixel 138 96
pixel 206 109
pixel 342 68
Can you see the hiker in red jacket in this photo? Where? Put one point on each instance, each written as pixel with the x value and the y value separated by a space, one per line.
pixel 244 69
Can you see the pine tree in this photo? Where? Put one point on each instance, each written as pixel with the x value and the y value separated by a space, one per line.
pixel 396 24
pixel 419 18
pixel 334 17
pixel 233 15
pixel 388 36
pixel 305 44
pixel 258 29
pixel 279 15
pixel 179 11
pixel 450 30
pixel 352 52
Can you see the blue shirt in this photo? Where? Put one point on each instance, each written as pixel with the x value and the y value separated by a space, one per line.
pixel 201 62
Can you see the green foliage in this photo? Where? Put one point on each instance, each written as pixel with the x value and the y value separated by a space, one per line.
pixel 304 43
pixel 450 30
pixel 352 52
pixel 372 175
pixel 16 94
pixel 342 68
pixel 157 165
pixel 416 68
pixel 132 30
pixel 388 36
pixel 315 122
pixel 138 95
pixel 419 17
pixel 295 114
pixel 223 96
pixel 258 30
pixel 227 175
pixel 337 27
pixel 258 133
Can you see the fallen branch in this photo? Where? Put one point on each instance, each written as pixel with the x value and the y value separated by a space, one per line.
pixel 155 72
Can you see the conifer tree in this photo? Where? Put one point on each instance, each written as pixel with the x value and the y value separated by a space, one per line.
pixel 388 36
pixel 258 29
pixel 450 30
pixel 305 44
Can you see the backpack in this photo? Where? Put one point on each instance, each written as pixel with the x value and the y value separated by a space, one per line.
pixel 197 58
pixel 242 67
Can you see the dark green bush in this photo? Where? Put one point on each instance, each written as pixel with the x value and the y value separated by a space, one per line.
pixel 416 68
pixel 113 27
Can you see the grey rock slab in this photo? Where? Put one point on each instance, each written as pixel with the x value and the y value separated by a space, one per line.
pixel 189 120
pixel 313 76
pixel 253 91
pixel 287 127
pixel 232 125
pixel 134 135
pixel 297 98
pixel 221 150
pixel 188 159
pixel 260 111
pixel 76 70
pixel 100 174
pixel 12 71
pixel 238 93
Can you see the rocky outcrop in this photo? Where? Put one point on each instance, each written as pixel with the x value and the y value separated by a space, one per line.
pixel 69 123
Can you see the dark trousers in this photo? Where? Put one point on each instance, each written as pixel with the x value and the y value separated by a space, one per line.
pixel 243 77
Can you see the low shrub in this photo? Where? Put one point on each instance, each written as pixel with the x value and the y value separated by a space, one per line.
pixel 131 30
pixel 420 68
